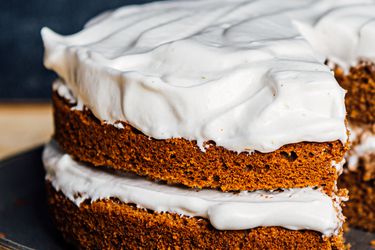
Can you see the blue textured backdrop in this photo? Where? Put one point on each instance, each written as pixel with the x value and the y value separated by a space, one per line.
pixel 22 75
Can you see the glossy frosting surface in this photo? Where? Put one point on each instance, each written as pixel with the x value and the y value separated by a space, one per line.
pixel 249 75
pixel 294 209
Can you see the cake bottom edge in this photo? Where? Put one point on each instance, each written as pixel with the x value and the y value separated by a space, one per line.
pixel 112 224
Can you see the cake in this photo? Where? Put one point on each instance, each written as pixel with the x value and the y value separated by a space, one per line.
pixel 203 124
pixel 352 59
pixel 359 171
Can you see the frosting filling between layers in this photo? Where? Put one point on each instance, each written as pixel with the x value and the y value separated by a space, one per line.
pixel 363 150
pixel 245 74
pixel 295 209
pixel 365 146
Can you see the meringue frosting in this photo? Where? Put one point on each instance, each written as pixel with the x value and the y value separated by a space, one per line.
pixel 249 75
pixel 295 209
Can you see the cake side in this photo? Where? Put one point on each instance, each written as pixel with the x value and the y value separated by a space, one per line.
pixel 359 171
pixel 359 209
pixel 181 162
pixel 112 224
pixel 360 97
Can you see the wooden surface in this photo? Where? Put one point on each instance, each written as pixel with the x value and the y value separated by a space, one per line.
pixel 23 126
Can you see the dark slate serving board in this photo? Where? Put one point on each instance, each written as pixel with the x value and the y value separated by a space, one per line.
pixel 24 219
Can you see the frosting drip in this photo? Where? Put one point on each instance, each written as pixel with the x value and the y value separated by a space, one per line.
pixel 240 73
pixel 294 209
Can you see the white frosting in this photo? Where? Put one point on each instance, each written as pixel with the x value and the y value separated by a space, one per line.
pixel 365 146
pixel 63 91
pixel 339 165
pixel 343 31
pixel 237 72
pixel 294 209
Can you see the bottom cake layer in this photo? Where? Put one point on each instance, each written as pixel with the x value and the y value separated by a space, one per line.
pixel 111 224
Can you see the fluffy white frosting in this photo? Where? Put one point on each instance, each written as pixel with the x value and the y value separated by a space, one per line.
pixel 365 146
pixel 294 209
pixel 342 31
pixel 240 73
pixel 339 165
pixel 63 91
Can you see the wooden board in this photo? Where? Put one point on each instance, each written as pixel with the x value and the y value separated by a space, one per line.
pixel 24 126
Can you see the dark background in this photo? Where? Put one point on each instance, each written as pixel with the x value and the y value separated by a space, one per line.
pixel 22 76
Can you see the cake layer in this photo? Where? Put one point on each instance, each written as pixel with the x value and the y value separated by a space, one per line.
pixel 294 209
pixel 192 70
pixel 359 174
pixel 360 209
pixel 359 178
pixel 359 82
pixel 111 224
pixel 180 161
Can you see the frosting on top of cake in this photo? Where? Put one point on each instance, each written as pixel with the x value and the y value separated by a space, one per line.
pixel 249 75
pixel 295 209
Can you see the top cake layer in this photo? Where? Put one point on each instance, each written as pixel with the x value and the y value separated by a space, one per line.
pixel 240 73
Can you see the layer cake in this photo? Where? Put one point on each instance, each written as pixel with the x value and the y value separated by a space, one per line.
pixel 203 124
pixel 359 177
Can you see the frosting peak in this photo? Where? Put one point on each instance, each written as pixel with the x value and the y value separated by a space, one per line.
pixel 243 74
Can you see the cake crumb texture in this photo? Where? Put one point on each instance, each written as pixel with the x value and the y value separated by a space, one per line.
pixel 359 210
pixel 360 180
pixel 179 161
pixel 110 224
pixel 360 97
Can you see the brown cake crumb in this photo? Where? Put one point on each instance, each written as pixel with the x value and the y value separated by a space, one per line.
pixel 110 224
pixel 360 180
pixel 360 85
pixel 359 210
pixel 179 161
